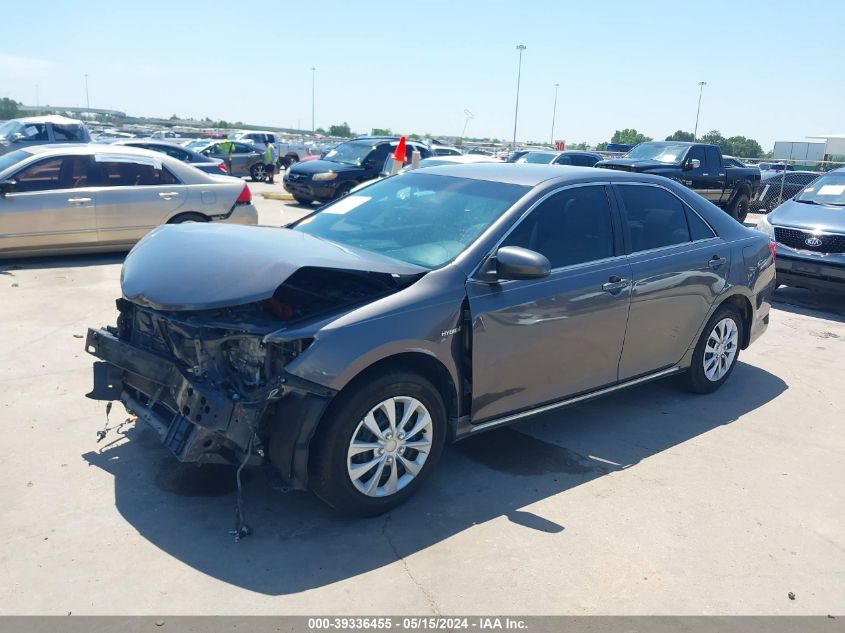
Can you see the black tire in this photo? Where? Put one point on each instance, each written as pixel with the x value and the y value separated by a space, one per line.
pixel 695 379
pixel 257 173
pixel 739 209
pixel 303 201
pixel 328 474
pixel 342 190
pixel 290 161
pixel 187 217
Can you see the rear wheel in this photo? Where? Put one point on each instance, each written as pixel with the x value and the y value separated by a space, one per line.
pixel 258 173
pixel 378 444
pixel 717 351
pixel 184 218
pixel 739 208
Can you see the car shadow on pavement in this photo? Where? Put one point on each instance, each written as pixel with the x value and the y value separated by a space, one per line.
pixel 826 305
pixel 298 543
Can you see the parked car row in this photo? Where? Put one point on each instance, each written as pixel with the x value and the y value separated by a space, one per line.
pixel 71 198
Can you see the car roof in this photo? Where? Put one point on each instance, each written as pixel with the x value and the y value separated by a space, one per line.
pixel 531 175
pixel 130 142
pixel 50 118
pixel 89 148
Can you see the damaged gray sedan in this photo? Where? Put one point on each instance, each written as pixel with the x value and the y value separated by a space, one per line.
pixel 347 349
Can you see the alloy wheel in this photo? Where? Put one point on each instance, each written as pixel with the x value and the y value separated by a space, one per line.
pixel 389 447
pixel 720 349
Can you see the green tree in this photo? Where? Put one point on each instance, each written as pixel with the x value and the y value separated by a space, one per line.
pixel 680 135
pixel 8 108
pixel 744 147
pixel 581 146
pixel 173 117
pixel 601 147
pixel 714 137
pixel 341 130
pixel 381 131
pixel 629 136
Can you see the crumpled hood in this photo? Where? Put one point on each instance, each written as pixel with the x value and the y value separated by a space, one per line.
pixel 202 266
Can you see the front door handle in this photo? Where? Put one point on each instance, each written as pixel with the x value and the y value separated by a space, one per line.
pixel 78 200
pixel 615 283
pixel 167 195
pixel 717 262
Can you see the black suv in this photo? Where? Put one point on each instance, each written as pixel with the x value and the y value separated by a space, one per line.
pixel 343 167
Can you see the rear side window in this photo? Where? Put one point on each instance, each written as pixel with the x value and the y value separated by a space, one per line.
pixel 698 228
pixel 73 133
pixel 571 227
pixel 655 217
pixel 128 174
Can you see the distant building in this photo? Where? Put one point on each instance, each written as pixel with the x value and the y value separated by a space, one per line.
pixel 834 144
pixel 799 150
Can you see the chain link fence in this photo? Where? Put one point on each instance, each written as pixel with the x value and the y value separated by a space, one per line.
pixel 783 179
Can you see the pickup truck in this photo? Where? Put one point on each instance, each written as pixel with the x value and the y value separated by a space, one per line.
pixel 698 166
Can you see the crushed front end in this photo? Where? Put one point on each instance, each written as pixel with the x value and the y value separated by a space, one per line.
pixel 206 381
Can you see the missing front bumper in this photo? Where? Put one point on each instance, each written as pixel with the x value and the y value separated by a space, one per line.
pixel 196 420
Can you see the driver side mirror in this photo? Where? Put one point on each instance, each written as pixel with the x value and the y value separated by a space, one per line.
pixel 692 163
pixel 515 262
pixel 7 186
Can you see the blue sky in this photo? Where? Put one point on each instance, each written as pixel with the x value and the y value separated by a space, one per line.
pixel 771 67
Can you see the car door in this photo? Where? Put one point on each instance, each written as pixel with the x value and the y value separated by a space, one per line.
pixel 244 157
pixel 540 340
pixel 136 194
pixel 704 179
pixel 678 265
pixel 50 206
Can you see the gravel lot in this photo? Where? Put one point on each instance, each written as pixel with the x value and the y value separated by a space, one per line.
pixel 651 501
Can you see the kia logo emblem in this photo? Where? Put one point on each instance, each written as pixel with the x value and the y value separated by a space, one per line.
pixel 813 241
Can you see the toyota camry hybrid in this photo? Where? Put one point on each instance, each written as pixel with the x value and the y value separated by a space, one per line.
pixel 347 349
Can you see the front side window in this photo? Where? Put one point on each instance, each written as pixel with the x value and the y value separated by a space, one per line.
pixel 414 217
pixel 697 152
pixel 656 218
pixel 539 158
pixel 571 227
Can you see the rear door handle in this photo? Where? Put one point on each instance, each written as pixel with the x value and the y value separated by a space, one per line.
pixel 614 283
pixel 78 200
pixel 167 195
pixel 717 262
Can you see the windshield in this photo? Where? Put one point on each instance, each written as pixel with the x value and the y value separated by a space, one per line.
pixel 349 153
pixel 12 158
pixel 828 189
pixel 417 218
pixel 661 152
pixel 542 158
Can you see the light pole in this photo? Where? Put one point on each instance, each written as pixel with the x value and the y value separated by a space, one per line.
pixel 554 112
pixel 87 100
pixel 520 48
pixel 701 85
pixel 469 115
pixel 36 96
pixel 313 77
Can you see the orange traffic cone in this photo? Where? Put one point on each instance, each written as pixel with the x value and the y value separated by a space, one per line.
pixel 398 156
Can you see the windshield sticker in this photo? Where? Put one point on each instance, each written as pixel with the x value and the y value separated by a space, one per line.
pixel 123 158
pixel 346 204
pixel 810 189
pixel 832 190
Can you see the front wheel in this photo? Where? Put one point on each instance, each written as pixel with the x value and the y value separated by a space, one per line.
pixel 258 173
pixel 739 208
pixel 717 351
pixel 303 201
pixel 378 444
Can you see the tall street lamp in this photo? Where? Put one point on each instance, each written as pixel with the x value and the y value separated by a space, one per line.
pixel 701 85
pixel 313 77
pixel 87 100
pixel 520 48
pixel 554 112
pixel 469 115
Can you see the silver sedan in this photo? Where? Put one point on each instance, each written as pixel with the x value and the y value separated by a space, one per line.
pixel 57 199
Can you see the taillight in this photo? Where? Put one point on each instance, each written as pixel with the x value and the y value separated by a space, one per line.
pixel 245 197
pixel 222 167
pixel 773 249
